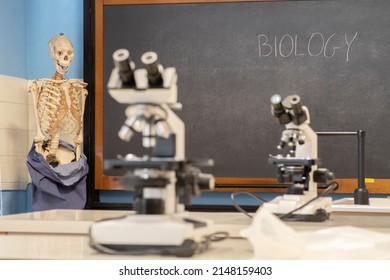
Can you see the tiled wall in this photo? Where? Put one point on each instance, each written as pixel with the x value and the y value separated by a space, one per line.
pixel 15 132
pixel 16 135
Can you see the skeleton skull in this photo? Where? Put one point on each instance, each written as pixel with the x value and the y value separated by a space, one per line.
pixel 61 51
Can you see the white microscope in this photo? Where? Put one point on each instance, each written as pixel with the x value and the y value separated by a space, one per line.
pixel 162 183
pixel 299 167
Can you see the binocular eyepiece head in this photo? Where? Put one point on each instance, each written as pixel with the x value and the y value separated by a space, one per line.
pixel 290 109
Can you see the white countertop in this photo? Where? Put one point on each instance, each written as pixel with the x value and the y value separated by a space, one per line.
pixel 55 221
pixel 79 221
pixel 63 234
pixel 75 247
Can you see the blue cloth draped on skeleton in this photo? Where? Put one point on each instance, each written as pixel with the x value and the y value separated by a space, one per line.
pixel 60 187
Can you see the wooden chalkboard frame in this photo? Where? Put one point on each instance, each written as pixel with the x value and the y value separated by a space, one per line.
pixel 93 75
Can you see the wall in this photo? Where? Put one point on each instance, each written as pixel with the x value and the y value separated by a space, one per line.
pixel 26 26
pixel 14 125
pixel 45 20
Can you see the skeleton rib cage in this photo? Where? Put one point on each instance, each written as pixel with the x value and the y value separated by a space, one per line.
pixel 59 108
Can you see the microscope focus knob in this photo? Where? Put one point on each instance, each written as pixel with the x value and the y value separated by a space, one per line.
pixel 206 181
pixel 322 175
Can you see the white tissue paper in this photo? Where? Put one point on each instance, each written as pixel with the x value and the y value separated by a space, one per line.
pixel 271 238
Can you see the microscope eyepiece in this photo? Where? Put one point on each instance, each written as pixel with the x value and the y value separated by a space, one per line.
pixel 278 110
pixel 120 56
pixel 299 116
pixel 121 59
pixel 276 100
pixel 295 102
pixel 153 67
pixel 150 59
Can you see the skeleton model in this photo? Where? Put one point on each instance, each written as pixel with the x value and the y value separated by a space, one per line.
pixel 58 106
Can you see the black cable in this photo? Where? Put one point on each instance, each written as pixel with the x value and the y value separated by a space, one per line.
pixel 218 236
pixel 238 207
pixel 330 187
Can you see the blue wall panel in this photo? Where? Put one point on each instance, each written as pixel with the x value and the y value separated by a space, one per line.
pixel 14 202
pixel 45 20
pixel 13 42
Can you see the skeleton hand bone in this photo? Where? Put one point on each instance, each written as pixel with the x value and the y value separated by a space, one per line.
pixel 78 142
pixel 34 88
pixel 38 140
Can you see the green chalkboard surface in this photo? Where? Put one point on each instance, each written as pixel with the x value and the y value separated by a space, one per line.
pixel 232 57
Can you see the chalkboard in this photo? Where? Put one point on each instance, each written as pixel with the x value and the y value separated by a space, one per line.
pixel 232 57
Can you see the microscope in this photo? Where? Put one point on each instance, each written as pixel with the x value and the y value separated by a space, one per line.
pixel 299 168
pixel 162 182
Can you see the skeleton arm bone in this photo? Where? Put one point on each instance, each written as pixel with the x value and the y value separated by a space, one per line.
pixel 79 137
pixel 35 90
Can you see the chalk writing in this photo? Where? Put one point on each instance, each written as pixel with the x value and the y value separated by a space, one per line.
pixel 315 45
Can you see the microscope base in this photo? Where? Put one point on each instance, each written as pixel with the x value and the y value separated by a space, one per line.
pixel 319 216
pixel 316 211
pixel 138 234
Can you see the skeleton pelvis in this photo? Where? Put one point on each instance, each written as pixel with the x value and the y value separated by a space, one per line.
pixel 61 155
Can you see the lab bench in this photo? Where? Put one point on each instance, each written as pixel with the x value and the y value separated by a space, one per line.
pixel 63 234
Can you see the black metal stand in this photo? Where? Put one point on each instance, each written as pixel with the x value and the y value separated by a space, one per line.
pixel 361 193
